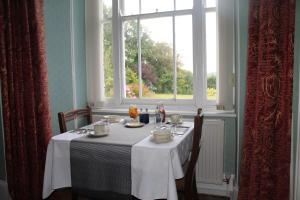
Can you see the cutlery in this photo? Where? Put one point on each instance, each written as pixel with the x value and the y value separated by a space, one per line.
pixel 80 131
pixel 180 126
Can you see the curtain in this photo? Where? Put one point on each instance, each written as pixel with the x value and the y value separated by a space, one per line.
pixel 265 161
pixel 26 117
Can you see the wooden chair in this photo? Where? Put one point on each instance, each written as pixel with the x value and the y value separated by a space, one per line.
pixel 187 184
pixel 63 117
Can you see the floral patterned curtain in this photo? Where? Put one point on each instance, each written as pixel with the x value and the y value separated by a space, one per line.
pixel 265 162
pixel 26 117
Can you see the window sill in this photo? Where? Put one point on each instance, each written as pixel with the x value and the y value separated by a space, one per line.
pixel 186 113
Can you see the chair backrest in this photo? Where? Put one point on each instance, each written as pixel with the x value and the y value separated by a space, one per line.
pixel 63 117
pixel 198 121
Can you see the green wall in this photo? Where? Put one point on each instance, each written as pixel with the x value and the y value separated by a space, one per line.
pixel 58 43
pixel 59 56
pixel 241 41
pixel 79 47
pixel 242 48
pixel 296 81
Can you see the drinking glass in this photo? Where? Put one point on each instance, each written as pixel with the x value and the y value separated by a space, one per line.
pixel 175 120
pixel 158 121
pixel 133 112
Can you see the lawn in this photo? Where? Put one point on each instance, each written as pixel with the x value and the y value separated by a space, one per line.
pixel 180 96
pixel 170 96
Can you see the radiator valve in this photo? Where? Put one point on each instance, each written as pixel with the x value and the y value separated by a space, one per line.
pixel 226 178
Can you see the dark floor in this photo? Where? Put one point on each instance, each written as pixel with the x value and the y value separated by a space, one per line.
pixel 65 194
pixel 209 197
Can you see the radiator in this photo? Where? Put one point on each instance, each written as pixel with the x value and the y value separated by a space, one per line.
pixel 209 168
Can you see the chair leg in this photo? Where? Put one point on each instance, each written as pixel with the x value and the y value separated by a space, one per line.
pixel 195 193
pixel 188 194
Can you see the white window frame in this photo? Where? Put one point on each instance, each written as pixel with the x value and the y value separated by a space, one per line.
pixel 119 100
pixel 203 50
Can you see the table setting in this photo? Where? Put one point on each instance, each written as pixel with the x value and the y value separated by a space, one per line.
pixel 109 155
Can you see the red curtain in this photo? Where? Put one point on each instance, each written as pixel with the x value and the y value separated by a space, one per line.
pixel 26 117
pixel 265 162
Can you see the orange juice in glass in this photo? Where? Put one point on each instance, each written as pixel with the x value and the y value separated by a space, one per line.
pixel 133 111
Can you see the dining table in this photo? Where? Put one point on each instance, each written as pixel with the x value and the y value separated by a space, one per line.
pixel 126 161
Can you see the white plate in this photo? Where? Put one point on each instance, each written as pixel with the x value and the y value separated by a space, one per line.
pixel 92 134
pixel 134 124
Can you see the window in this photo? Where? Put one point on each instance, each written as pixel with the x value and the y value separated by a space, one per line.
pixel 167 51
pixel 158 50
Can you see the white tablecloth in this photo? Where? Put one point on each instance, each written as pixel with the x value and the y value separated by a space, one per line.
pixel 57 169
pixel 154 166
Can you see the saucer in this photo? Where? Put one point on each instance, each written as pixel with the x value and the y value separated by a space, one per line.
pixel 93 134
pixel 134 124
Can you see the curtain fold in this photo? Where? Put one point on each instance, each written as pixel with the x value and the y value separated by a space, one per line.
pixel 265 162
pixel 26 117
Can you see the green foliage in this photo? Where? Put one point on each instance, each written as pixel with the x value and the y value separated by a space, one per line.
pixel 108 67
pixel 132 90
pixel 211 81
pixel 211 87
pixel 211 93
pixel 131 76
pixel 184 82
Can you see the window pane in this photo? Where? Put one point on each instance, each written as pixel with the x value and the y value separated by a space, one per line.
pixel 131 7
pixel 211 55
pixel 156 6
pixel 131 58
pixel 157 58
pixel 184 56
pixel 107 61
pixel 210 3
pixel 184 4
pixel 107 9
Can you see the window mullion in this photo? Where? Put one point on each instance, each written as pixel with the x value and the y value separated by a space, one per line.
pixel 198 54
pixel 101 51
pixel 174 59
pixel 116 45
pixel 139 51
pixel 139 58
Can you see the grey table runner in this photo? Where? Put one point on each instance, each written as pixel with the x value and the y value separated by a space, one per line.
pixel 104 164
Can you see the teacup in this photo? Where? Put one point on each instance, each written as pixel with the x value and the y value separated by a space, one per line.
pixel 101 129
pixel 175 119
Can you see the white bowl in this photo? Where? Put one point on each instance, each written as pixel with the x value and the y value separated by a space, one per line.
pixel 175 119
pixel 161 136
pixel 112 118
